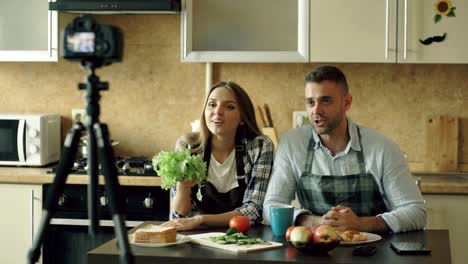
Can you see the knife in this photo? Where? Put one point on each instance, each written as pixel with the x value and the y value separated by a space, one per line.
pixel 268 116
pixel 262 117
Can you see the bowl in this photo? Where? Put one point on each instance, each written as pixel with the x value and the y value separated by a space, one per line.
pixel 317 248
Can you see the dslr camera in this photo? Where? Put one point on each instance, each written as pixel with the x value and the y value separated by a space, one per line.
pixel 87 41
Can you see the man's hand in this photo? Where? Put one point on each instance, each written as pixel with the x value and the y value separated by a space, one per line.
pixel 343 218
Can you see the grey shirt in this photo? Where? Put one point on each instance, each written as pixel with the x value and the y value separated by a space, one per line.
pixel 383 159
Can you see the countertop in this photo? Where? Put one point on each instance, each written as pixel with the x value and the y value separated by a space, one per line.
pixel 442 183
pixel 437 240
pixel 429 183
pixel 24 175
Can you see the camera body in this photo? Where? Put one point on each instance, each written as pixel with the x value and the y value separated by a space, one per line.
pixel 86 40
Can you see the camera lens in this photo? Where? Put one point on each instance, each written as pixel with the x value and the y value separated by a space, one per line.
pixel 102 47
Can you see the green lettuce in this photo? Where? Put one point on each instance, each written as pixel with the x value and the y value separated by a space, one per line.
pixel 177 166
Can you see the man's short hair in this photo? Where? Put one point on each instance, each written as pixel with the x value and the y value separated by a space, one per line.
pixel 328 73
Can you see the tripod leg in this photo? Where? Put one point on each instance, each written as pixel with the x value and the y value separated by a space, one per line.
pixel 63 169
pixel 116 202
pixel 93 181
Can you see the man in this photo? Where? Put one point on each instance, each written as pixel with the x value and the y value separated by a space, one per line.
pixel 344 175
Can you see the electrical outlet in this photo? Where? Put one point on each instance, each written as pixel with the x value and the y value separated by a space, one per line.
pixel 79 115
pixel 299 119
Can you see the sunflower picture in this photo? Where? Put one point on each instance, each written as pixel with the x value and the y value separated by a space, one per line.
pixel 443 8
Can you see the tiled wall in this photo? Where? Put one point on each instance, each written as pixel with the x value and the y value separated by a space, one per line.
pixel 153 96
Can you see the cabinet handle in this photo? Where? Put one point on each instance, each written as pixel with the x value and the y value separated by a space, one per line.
pixel 20 143
pixel 386 27
pixel 405 38
pixel 32 216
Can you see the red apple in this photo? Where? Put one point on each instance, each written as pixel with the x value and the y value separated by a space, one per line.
pixel 301 236
pixel 314 228
pixel 325 234
pixel 288 232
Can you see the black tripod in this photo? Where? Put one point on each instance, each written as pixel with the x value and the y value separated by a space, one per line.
pixel 98 143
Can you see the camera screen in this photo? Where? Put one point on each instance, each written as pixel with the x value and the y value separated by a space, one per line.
pixel 81 42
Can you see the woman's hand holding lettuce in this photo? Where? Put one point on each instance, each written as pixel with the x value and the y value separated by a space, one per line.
pixel 181 166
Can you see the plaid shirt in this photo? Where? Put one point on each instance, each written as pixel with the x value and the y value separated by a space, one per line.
pixel 258 162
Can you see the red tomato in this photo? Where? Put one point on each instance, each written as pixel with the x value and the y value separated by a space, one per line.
pixel 288 232
pixel 241 223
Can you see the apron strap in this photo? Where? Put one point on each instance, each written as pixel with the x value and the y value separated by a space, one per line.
pixel 360 154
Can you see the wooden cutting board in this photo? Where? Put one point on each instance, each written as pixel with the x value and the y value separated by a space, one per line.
pixel 203 239
pixel 441 144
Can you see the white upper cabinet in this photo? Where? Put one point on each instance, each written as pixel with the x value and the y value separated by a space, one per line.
pixel 387 31
pixel 28 31
pixel 416 23
pixel 245 30
pixel 353 31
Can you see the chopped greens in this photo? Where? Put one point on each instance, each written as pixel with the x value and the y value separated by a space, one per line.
pixel 238 238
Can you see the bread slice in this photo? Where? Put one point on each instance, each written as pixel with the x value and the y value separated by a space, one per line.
pixel 155 234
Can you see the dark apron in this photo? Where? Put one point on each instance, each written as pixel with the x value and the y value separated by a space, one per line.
pixel 214 202
pixel 360 192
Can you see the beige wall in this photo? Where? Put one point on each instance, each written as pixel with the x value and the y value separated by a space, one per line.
pixel 153 96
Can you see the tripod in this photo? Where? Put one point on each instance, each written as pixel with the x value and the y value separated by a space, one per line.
pixel 98 143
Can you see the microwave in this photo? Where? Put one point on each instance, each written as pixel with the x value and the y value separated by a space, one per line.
pixel 29 139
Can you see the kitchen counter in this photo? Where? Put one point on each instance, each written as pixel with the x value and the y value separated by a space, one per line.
pixel 442 183
pixel 437 240
pixel 24 175
pixel 430 183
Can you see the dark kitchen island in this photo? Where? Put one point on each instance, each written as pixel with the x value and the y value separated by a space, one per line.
pixel 437 240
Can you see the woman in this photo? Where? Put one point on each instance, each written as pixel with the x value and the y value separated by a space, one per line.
pixel 239 161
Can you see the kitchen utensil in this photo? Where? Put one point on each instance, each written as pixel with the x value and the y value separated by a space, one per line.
pixel 268 116
pixel 83 148
pixel 269 130
pixel 262 117
pixel 441 144
pixel 203 239
pixel 271 133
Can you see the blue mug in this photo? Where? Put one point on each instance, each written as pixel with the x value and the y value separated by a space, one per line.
pixel 281 217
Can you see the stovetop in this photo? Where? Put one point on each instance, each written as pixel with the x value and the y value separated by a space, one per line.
pixel 131 166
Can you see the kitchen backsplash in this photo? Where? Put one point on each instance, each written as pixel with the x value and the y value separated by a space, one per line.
pixel 153 96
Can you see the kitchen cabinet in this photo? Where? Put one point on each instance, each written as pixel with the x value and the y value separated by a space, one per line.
pixel 28 31
pixel 21 206
pixel 386 31
pixel 358 31
pixel 450 212
pixel 245 30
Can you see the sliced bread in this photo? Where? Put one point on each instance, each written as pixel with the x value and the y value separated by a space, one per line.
pixel 155 234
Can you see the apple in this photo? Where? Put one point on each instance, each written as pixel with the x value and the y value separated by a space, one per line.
pixel 325 234
pixel 301 236
pixel 314 228
pixel 288 233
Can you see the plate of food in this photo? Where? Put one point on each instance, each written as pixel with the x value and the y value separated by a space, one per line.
pixel 353 237
pixel 156 236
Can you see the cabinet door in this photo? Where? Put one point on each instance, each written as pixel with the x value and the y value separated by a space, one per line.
pixel 245 30
pixel 449 212
pixel 28 31
pixel 353 31
pixel 21 211
pixel 416 22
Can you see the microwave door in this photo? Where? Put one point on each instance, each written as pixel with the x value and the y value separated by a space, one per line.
pixel 9 141
pixel 21 139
